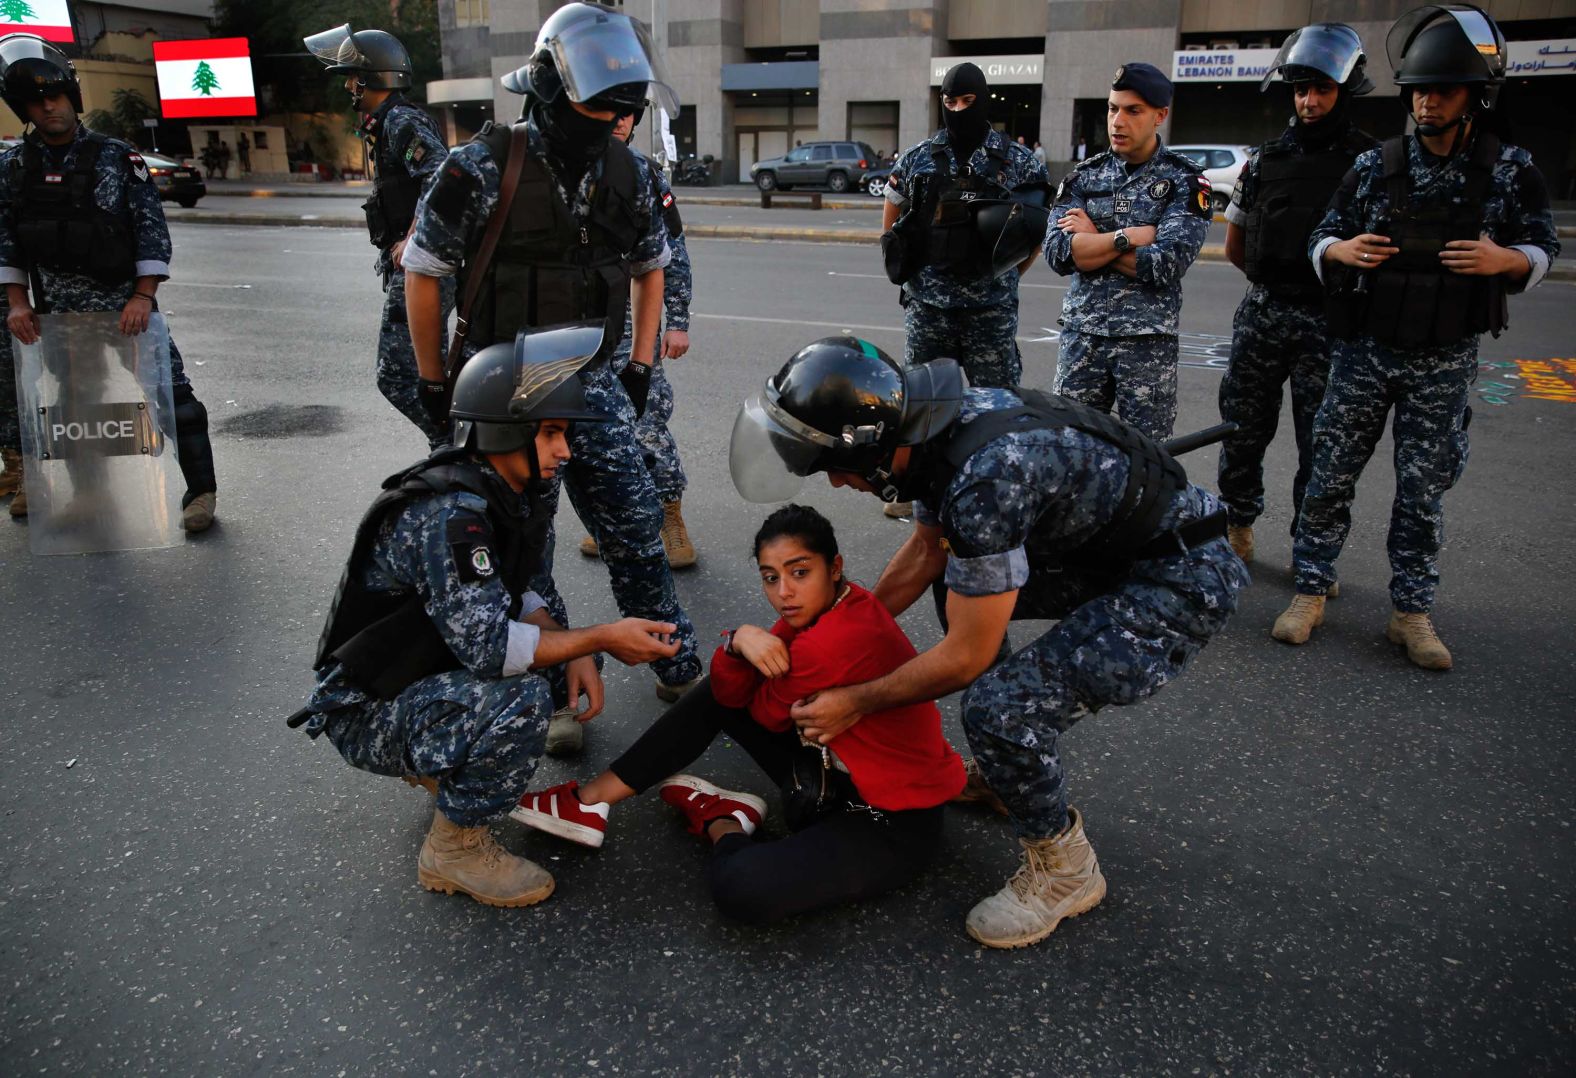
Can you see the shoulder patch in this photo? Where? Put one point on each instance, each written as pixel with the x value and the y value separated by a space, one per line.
pixel 1160 189
pixel 139 167
pixel 451 192
pixel 470 541
pixel 417 153
pixel 1199 196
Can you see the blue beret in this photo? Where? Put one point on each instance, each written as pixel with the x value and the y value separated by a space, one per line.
pixel 1145 80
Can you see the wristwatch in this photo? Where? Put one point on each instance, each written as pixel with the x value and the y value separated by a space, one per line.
pixel 1120 241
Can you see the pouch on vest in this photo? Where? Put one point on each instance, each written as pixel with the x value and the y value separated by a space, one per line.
pixel 904 245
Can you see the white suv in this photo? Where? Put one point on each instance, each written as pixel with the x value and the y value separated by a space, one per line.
pixel 1221 164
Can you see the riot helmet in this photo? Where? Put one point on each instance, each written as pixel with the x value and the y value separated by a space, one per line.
pixel 32 69
pixel 595 56
pixel 839 404
pixel 1012 228
pixel 506 390
pixel 375 57
pixel 1325 50
pixel 1448 44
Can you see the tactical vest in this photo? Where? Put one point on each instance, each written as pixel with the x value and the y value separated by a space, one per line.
pixel 395 193
pixel 384 639
pixel 549 268
pixel 1154 477
pixel 1294 192
pixel 954 242
pixel 59 224
pixel 1411 300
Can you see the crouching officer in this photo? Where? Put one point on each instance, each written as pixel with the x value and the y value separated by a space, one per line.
pixel 1424 240
pixel 80 219
pixel 1028 506
pixel 1128 224
pixel 406 151
pixel 426 662
pixel 1278 333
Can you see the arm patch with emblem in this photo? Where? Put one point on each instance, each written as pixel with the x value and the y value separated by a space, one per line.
pixel 1199 197
pixel 451 191
pixel 470 540
pixel 139 167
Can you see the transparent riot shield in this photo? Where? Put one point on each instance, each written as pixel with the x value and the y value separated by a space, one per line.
pixel 98 436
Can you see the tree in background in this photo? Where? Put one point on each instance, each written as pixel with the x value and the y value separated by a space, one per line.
pixel 123 119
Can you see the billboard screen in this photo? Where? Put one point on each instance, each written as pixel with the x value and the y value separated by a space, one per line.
pixel 210 77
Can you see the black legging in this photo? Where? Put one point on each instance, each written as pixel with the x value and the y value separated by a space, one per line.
pixel 846 857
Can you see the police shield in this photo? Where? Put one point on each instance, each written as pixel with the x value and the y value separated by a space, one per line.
pixel 98 436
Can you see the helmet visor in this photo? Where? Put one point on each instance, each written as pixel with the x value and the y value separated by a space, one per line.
pixel 767 458
pixel 1330 49
pixel 613 50
pixel 548 359
pixel 337 49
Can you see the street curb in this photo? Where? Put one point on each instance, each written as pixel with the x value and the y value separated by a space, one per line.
pixel 267 220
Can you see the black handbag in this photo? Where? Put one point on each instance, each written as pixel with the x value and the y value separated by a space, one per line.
pixel 814 788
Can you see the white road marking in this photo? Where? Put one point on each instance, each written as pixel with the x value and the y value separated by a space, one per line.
pixel 883 277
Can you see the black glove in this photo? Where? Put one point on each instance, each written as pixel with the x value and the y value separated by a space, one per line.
pixel 636 379
pixel 434 398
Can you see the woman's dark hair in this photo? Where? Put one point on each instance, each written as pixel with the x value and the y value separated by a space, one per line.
pixel 802 523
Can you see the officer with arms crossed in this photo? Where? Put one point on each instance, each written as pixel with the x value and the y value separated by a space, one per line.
pixel 583 236
pixel 81 219
pixel 1425 238
pixel 1278 334
pixel 1129 222
pixel 406 150
pixel 425 664
pixel 1029 506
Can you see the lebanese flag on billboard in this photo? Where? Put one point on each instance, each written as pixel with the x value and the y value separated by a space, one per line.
pixel 49 19
pixel 210 77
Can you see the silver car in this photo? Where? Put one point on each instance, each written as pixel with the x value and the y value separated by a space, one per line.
pixel 1222 164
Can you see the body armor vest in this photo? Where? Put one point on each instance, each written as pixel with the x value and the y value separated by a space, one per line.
pixel 549 268
pixel 1294 193
pixel 954 242
pixel 1153 476
pixel 59 224
pixel 384 639
pixel 395 193
pixel 1411 300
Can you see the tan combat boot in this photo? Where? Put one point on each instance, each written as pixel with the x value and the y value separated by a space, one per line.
pixel 565 734
pixel 1297 622
pixel 469 860
pixel 1423 645
pixel 19 503
pixel 898 510
pixel 11 478
pixel 198 516
pixel 675 536
pixel 1060 877
pixel 976 791
pixel 1241 539
pixel 588 547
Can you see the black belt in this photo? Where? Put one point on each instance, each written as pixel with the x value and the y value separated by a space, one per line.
pixel 1180 540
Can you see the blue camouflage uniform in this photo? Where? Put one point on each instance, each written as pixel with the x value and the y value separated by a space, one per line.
pixel 10 421
pixel 1015 508
pixel 478 730
pixel 657 444
pixel 609 485
pixel 1118 346
pixel 124 189
pixel 402 137
pixel 1428 388
pixel 973 320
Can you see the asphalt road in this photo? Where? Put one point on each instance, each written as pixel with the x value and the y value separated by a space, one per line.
pixel 1321 860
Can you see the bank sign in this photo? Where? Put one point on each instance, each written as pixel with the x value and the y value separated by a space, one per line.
pixel 999 70
pixel 1523 58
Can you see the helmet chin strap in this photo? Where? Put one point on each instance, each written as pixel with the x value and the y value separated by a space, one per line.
pixel 1459 125
pixel 358 92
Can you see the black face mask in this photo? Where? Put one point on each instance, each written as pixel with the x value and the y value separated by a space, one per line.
pixel 966 129
pixel 1322 133
pixel 572 138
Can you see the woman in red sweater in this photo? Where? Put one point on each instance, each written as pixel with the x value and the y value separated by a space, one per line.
pixel 864 806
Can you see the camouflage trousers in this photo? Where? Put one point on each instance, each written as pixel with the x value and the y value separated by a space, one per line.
pixel 396 375
pixel 657 445
pixel 1272 342
pixel 1135 376
pixel 10 420
pixel 1428 390
pixel 983 339
pixel 1116 648
pixel 480 738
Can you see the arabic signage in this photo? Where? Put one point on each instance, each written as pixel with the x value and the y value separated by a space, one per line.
pixel 1552 57
pixel 999 70
pixel 1556 57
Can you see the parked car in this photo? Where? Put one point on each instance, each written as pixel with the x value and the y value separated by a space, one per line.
pixel 837 166
pixel 1222 165
pixel 876 181
pixel 176 180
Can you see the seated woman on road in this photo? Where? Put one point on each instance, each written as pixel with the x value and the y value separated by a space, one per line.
pixel 885 777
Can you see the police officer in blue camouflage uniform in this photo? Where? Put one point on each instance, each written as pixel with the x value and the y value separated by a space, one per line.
pixel 583 237
pixel 1129 223
pixel 657 444
pixel 430 664
pixel 1424 240
pixel 81 222
pixel 1278 334
pixel 405 149
pixel 1027 506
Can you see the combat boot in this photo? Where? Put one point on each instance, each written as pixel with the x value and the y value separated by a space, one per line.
pixel 19 503
pixel 1059 878
pixel 898 510
pixel 588 547
pixel 1297 622
pixel 1241 539
pixel 565 734
pixel 675 536
pixel 11 478
pixel 470 861
pixel 198 516
pixel 1423 645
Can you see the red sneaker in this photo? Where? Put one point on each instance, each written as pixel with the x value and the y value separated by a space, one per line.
pixel 701 803
pixel 559 812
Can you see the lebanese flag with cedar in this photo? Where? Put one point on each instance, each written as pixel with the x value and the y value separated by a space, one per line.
pixel 49 19
pixel 210 77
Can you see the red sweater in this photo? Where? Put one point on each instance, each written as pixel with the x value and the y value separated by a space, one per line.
pixel 898 759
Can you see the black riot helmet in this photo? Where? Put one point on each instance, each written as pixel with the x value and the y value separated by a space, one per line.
pixel 840 404
pixel 32 69
pixel 596 56
pixel 1448 44
pixel 1325 50
pixel 1012 228
pixel 506 390
pixel 375 57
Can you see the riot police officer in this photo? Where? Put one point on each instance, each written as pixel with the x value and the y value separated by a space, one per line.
pixel 583 236
pixel 1027 505
pixel 81 223
pixel 405 149
pixel 1129 223
pixel 1425 238
pixel 428 664
pixel 1278 332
